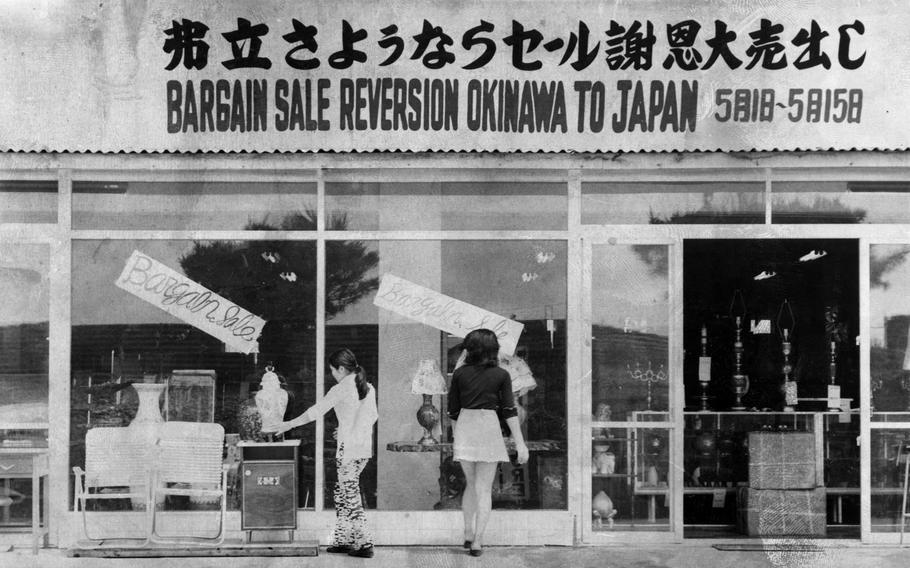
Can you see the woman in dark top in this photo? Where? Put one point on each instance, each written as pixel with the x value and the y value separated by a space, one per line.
pixel 481 391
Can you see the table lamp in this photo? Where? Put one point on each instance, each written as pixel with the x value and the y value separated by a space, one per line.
pixel 428 380
pixel 522 380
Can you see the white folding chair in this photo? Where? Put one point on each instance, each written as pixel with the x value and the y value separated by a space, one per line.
pixel 116 467
pixel 188 461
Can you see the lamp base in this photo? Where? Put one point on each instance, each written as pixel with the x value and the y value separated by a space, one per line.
pixel 428 439
pixel 428 418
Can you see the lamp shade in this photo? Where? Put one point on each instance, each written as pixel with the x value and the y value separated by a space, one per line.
pixel 428 379
pixel 522 378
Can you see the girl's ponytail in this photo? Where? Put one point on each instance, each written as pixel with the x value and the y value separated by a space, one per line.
pixel 360 381
pixel 345 358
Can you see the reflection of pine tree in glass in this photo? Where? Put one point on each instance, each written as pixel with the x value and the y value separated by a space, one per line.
pixel 276 280
pixel 751 209
pixel 249 273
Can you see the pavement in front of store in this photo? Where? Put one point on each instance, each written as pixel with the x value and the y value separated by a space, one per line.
pixel 702 555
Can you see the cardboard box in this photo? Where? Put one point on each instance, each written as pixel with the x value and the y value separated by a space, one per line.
pixel 773 512
pixel 782 460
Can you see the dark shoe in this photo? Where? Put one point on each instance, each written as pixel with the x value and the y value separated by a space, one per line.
pixel 475 551
pixel 365 552
pixel 339 549
pixel 467 544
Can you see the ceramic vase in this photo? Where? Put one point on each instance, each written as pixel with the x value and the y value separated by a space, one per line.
pixel 271 402
pixel 145 427
pixel 603 461
pixel 652 477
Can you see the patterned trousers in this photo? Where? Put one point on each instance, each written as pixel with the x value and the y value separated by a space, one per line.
pixel 350 522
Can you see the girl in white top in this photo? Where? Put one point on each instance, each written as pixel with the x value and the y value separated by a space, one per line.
pixel 354 401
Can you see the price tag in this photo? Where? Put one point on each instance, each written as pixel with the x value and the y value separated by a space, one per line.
pixel 719 498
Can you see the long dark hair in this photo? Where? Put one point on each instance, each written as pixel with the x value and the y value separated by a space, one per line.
pixel 344 358
pixel 482 347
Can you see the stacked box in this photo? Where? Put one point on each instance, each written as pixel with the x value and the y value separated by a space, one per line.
pixel 783 497
pixel 778 512
pixel 782 460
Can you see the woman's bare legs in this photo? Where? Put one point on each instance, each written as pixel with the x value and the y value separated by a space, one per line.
pixel 469 500
pixel 484 472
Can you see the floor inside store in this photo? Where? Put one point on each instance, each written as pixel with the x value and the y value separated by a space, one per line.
pixel 838 532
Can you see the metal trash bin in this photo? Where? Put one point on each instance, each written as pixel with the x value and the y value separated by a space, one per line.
pixel 268 472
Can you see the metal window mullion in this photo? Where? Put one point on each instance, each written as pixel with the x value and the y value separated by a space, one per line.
pixel 768 217
pixel 59 348
pixel 677 391
pixel 318 487
pixel 585 378
pixel 865 410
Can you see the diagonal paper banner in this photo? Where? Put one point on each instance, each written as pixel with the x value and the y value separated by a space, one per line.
pixel 429 307
pixel 168 290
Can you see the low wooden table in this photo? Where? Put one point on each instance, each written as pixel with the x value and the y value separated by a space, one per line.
pixel 23 463
pixel 533 446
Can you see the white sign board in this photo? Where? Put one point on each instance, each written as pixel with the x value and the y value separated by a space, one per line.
pixel 431 308
pixel 436 75
pixel 191 302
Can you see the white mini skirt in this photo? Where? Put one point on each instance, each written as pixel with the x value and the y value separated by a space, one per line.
pixel 478 437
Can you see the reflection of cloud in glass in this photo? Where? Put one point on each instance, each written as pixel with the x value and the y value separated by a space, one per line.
pixel 893 299
pixel 625 288
pixel 23 284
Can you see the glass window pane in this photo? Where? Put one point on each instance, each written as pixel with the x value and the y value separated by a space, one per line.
pixel 889 315
pixel 809 287
pixel 494 276
pixel 627 203
pixel 840 202
pixel 119 339
pixel 890 451
pixel 28 201
pixel 23 344
pixel 454 206
pixel 221 206
pixel 24 360
pixel 630 329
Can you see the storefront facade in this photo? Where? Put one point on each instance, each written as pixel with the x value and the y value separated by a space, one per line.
pixel 651 291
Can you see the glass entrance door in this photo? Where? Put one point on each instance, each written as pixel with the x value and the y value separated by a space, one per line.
pixel 889 387
pixel 631 437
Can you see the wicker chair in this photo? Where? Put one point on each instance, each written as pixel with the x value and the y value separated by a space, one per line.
pixel 116 467
pixel 188 461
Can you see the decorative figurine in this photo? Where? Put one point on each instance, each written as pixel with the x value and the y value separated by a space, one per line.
pixel 271 401
pixel 602 508
pixel 602 414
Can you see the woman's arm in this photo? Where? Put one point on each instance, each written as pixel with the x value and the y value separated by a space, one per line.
pixel 520 446
pixel 454 401
pixel 312 413
pixel 510 412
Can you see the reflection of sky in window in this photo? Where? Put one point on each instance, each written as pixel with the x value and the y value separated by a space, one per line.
pixel 449 206
pixel 626 293
pixel 24 284
pixel 190 206
pixel 33 206
pixel 498 276
pixel 886 206
pixel 636 203
pixel 98 264
pixel 893 300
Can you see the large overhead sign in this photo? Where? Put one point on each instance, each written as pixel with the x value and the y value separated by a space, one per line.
pixel 481 75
